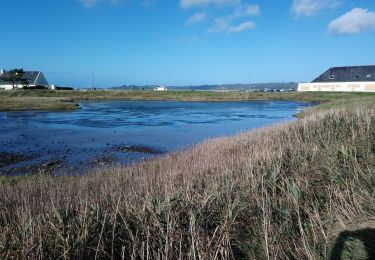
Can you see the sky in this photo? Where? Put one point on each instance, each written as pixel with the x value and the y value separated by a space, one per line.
pixel 184 42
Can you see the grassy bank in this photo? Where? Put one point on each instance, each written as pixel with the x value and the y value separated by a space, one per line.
pixel 67 100
pixel 37 103
pixel 290 191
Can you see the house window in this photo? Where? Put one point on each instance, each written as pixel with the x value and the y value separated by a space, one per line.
pixel 331 76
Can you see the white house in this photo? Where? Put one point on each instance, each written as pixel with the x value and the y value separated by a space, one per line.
pixel 343 79
pixel 29 79
pixel 161 88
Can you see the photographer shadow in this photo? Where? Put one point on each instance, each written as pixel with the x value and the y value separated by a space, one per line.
pixel 366 236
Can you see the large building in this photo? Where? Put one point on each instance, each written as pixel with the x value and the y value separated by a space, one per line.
pixel 343 79
pixel 28 79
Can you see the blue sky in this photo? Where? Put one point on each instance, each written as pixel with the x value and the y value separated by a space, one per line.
pixel 186 42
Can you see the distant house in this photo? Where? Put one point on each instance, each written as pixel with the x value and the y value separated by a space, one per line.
pixel 30 79
pixel 343 79
pixel 161 88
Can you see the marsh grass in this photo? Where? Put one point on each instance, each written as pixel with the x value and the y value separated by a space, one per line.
pixel 36 103
pixel 272 193
pixel 66 99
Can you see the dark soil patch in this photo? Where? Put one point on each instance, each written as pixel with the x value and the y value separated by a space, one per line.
pixel 7 159
pixel 136 149
pixel 102 160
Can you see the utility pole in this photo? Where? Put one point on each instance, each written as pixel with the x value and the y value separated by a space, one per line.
pixel 249 80
pixel 93 81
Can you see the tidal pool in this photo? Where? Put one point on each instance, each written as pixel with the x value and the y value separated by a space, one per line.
pixel 120 132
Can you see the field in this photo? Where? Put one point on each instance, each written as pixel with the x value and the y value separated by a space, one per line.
pixel 299 190
pixel 69 100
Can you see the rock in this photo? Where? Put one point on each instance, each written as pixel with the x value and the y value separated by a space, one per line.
pixel 50 166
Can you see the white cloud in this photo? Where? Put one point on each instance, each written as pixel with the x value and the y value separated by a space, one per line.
pixel 93 3
pixel 148 3
pixel 356 21
pixel 204 3
pixel 311 7
pixel 89 3
pixel 246 10
pixel 220 25
pixel 242 27
pixel 224 24
pixel 196 18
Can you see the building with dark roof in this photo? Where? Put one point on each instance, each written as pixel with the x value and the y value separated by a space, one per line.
pixel 28 79
pixel 343 79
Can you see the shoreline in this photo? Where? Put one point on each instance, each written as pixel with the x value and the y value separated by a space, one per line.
pixel 57 150
pixel 42 100
pixel 43 167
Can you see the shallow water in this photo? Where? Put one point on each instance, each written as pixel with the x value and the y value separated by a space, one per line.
pixel 120 132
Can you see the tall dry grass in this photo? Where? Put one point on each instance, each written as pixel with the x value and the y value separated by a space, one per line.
pixel 273 193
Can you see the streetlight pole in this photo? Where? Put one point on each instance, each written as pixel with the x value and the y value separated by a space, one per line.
pixel 93 81
pixel 249 81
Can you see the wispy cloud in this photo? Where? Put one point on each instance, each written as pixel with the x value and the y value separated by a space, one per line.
pixel 203 3
pixel 196 18
pixel 241 27
pixel 225 23
pixel 93 3
pixel 220 25
pixel 148 3
pixel 312 7
pixel 189 39
pixel 356 21
pixel 246 10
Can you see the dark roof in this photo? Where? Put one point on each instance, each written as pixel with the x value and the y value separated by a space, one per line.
pixel 348 74
pixel 32 77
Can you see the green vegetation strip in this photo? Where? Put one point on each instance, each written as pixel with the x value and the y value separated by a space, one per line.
pixel 68 100
pixel 301 190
